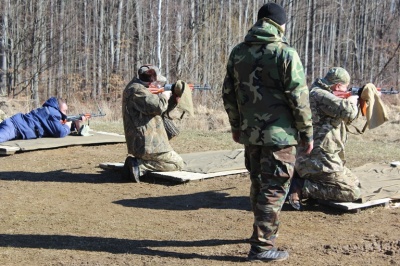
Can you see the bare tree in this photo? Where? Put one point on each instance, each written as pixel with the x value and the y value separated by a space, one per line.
pixel 88 47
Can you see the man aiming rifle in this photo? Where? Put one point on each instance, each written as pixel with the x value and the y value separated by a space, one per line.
pixel 46 121
pixel 143 109
pixel 322 174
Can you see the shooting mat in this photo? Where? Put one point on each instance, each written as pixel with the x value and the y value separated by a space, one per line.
pixel 380 185
pixel 200 165
pixel 11 147
pixel 378 181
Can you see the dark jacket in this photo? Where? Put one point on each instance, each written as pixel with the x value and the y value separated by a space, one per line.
pixel 41 122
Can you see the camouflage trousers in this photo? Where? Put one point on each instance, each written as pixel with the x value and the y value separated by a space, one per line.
pixel 340 186
pixel 160 162
pixel 271 170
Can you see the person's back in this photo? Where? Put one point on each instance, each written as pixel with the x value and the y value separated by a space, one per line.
pixel 267 97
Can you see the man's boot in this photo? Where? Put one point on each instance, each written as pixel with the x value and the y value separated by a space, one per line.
pixel 267 255
pixel 131 169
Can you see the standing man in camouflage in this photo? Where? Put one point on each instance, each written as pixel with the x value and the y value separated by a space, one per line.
pixel 146 139
pixel 266 98
pixel 323 171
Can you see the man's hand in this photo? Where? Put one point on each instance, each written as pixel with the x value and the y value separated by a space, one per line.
pixel 166 94
pixel 308 146
pixel 155 89
pixel 236 136
pixel 353 99
pixel 68 123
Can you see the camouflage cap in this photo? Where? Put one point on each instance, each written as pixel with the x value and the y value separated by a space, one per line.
pixel 145 68
pixel 336 75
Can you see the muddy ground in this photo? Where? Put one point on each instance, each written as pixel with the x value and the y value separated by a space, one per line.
pixel 58 208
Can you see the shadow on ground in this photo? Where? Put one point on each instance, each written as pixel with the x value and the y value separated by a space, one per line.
pixel 63 175
pixel 118 246
pixel 201 200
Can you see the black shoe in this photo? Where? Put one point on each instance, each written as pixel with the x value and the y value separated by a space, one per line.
pixel 131 169
pixel 296 186
pixel 267 255
pixel 296 204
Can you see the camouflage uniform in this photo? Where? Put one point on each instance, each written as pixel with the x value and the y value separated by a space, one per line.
pixel 266 98
pixel 326 176
pixel 146 138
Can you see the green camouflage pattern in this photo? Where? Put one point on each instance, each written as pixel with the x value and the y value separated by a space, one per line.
pixel 271 170
pixel 342 186
pixel 143 125
pixel 264 92
pixel 324 168
pixel 336 75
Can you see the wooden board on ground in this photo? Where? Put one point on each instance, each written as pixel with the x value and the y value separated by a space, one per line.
pixel 176 176
pixel 11 147
pixel 183 176
pixel 354 206
pixel 199 165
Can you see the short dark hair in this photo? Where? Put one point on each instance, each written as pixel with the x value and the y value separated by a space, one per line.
pixel 149 75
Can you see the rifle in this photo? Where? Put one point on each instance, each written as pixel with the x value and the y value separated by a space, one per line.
pixel 168 87
pixel 357 91
pixel 79 116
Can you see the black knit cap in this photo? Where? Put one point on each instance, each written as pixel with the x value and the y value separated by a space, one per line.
pixel 272 11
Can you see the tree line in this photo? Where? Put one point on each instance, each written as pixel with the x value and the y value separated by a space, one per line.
pixel 90 49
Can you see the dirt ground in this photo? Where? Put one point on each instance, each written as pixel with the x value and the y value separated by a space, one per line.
pixel 59 208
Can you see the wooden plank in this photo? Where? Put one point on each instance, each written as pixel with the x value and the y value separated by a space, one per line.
pixel 111 166
pixel 354 205
pixel 13 146
pixel 183 176
pixel 6 150
pixel 177 176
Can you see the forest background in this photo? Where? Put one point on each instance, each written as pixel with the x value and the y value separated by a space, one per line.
pixel 87 50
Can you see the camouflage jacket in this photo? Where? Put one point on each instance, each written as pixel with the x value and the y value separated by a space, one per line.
pixel 330 115
pixel 143 125
pixel 265 92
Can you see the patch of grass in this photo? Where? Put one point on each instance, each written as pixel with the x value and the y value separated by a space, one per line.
pixel 360 152
pixel 99 124
pixel 197 140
